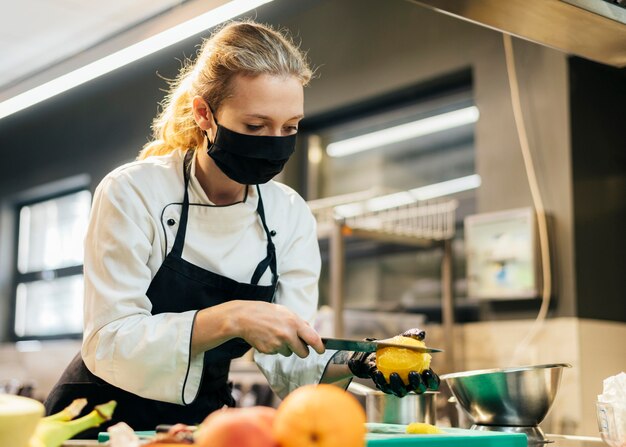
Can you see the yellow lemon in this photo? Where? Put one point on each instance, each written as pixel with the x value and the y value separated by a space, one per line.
pixel 400 360
pixel 421 428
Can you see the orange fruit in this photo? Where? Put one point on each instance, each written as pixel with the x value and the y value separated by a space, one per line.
pixel 320 416
pixel 401 361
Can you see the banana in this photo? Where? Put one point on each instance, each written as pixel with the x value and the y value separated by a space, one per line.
pixel 53 430
pixel 69 412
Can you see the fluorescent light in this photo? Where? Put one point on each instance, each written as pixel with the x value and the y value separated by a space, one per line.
pixel 389 201
pixel 403 132
pixel 446 188
pixel 127 55
pixel 397 199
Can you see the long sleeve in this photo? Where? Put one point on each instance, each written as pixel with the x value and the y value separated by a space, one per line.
pixel 125 344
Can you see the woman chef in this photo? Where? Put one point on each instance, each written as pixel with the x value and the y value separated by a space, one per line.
pixel 193 255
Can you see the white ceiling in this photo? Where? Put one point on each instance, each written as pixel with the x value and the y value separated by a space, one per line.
pixel 37 34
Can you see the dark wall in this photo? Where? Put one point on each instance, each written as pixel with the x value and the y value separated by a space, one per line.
pixel 90 129
pixel 598 99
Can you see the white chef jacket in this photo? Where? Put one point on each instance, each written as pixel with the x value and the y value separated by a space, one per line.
pixel 127 240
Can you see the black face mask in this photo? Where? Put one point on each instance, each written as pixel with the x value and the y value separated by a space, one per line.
pixel 250 159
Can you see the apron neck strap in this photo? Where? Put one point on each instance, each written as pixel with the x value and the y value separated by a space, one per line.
pixel 270 259
pixel 179 242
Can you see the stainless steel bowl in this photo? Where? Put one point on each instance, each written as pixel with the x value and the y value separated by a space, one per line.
pixel 389 409
pixel 518 397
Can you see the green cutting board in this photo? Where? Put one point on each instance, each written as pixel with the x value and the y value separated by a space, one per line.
pixel 453 437
pixel 395 435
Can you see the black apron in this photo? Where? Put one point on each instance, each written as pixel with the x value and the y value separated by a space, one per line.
pixel 178 286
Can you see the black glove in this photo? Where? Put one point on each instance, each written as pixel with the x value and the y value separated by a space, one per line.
pixel 363 365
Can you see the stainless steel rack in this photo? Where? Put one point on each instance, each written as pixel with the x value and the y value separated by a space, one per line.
pixel 368 215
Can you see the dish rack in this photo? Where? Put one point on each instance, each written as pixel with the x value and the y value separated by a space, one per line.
pixel 391 218
pixel 418 223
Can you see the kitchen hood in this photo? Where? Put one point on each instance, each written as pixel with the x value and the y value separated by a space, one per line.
pixel 593 29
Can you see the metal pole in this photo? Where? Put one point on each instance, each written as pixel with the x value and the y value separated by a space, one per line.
pixel 337 263
pixel 447 305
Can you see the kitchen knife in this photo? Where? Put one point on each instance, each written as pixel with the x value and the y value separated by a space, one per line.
pixel 369 346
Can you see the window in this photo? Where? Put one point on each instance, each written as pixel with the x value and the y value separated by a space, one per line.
pixel 48 278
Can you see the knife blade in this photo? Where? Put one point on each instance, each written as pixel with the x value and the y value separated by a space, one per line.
pixel 342 344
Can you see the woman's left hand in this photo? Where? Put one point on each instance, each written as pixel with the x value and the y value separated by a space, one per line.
pixel 363 365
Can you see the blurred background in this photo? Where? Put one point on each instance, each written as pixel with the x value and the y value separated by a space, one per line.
pixel 433 228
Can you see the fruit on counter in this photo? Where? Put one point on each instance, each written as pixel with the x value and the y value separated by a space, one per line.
pixel 177 434
pixel 320 416
pixel 18 418
pixel 265 415
pixel 69 412
pixel 237 427
pixel 166 444
pixel 53 430
pixel 402 361
pixel 311 416
pixel 422 428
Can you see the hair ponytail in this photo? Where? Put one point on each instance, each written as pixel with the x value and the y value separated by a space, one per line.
pixel 174 127
pixel 237 48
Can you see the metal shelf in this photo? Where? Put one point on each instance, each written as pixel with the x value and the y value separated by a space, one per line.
pixel 366 215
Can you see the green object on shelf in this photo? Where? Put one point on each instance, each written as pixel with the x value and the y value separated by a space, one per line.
pixel 392 435
pixel 103 436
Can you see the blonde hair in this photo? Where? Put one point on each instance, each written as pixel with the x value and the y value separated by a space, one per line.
pixel 245 48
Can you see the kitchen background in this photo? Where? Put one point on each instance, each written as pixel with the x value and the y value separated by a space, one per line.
pixel 379 64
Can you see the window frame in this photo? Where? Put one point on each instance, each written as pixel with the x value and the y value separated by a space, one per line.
pixel 31 197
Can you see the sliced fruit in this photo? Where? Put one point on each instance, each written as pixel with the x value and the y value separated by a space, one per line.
pixel 422 428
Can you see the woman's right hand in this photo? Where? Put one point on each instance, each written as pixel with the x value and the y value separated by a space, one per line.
pixel 269 328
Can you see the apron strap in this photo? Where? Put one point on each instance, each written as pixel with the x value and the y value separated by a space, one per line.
pixel 270 259
pixel 179 242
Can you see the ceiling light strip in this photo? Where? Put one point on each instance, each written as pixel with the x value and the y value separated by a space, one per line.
pixel 403 132
pixel 409 197
pixel 446 188
pixel 128 55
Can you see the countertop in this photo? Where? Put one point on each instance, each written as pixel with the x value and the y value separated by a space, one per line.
pixel 559 441
pixel 574 441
